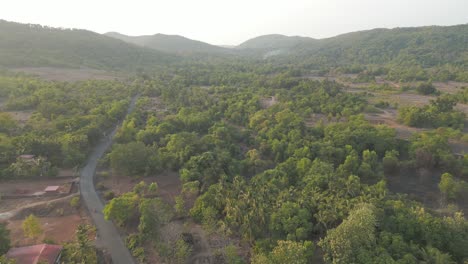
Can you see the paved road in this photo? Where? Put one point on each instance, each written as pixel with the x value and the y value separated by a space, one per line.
pixel 108 234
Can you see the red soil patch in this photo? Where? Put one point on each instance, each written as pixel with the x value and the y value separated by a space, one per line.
pixel 57 229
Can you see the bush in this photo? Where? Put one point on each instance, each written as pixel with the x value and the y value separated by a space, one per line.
pixel 390 162
pixel 426 88
pixel 382 104
pixel 75 202
pixel 100 186
pixel 109 195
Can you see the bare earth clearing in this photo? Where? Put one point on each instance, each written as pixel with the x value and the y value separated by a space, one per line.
pixel 57 218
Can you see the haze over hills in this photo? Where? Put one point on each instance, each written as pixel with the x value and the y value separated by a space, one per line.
pixel 170 43
pixel 275 41
pixel 35 45
pixel 426 46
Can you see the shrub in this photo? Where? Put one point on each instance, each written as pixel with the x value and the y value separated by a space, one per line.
pixel 75 202
pixel 109 195
pixel 426 88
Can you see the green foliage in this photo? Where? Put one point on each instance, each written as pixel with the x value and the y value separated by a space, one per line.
pixel 432 149
pixel 426 88
pixel 82 249
pixel 4 239
pixel 352 240
pixel 31 226
pixel 75 202
pixel 134 244
pixel 450 187
pixel 231 255
pixel 122 209
pixel 4 260
pixel 154 213
pixel 287 252
pixel 390 161
pixel 183 250
pixel 439 113
pixel 129 158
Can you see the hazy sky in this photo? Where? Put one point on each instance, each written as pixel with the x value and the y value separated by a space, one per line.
pixel 233 21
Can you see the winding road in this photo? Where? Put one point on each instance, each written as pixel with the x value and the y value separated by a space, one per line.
pixel 107 231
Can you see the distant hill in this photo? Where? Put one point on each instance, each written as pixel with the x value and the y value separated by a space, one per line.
pixel 170 43
pixel 426 46
pixel 35 45
pixel 26 45
pixel 274 41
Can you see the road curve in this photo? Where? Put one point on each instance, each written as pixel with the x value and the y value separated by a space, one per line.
pixel 107 232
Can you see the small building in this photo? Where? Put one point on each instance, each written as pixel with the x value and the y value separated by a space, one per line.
pixel 52 189
pixel 43 253
pixel 26 156
pixel 29 159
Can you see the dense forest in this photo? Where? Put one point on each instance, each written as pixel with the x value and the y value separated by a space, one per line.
pixel 285 187
pixel 239 132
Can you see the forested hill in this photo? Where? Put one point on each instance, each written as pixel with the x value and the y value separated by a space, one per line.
pixel 35 45
pixel 275 41
pixel 426 46
pixel 170 43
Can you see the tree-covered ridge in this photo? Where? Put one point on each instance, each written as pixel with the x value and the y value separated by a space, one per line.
pixel 35 45
pixel 424 46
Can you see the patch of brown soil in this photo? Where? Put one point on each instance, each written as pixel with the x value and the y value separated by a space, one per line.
pixel 268 102
pixel 388 117
pixel 20 116
pixel 58 229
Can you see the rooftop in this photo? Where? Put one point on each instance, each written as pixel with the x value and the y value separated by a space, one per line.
pixel 33 254
pixel 53 188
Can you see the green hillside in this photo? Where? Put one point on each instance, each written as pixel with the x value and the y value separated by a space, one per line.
pixel 275 41
pixel 170 43
pixel 425 46
pixel 35 45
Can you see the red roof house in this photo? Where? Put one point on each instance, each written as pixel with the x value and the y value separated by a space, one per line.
pixel 33 254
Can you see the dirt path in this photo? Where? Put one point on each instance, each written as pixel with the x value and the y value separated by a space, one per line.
pixel 204 254
pixel 10 214
pixel 107 232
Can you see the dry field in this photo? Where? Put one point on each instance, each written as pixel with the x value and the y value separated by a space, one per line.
pixel 57 229
pixel 57 218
